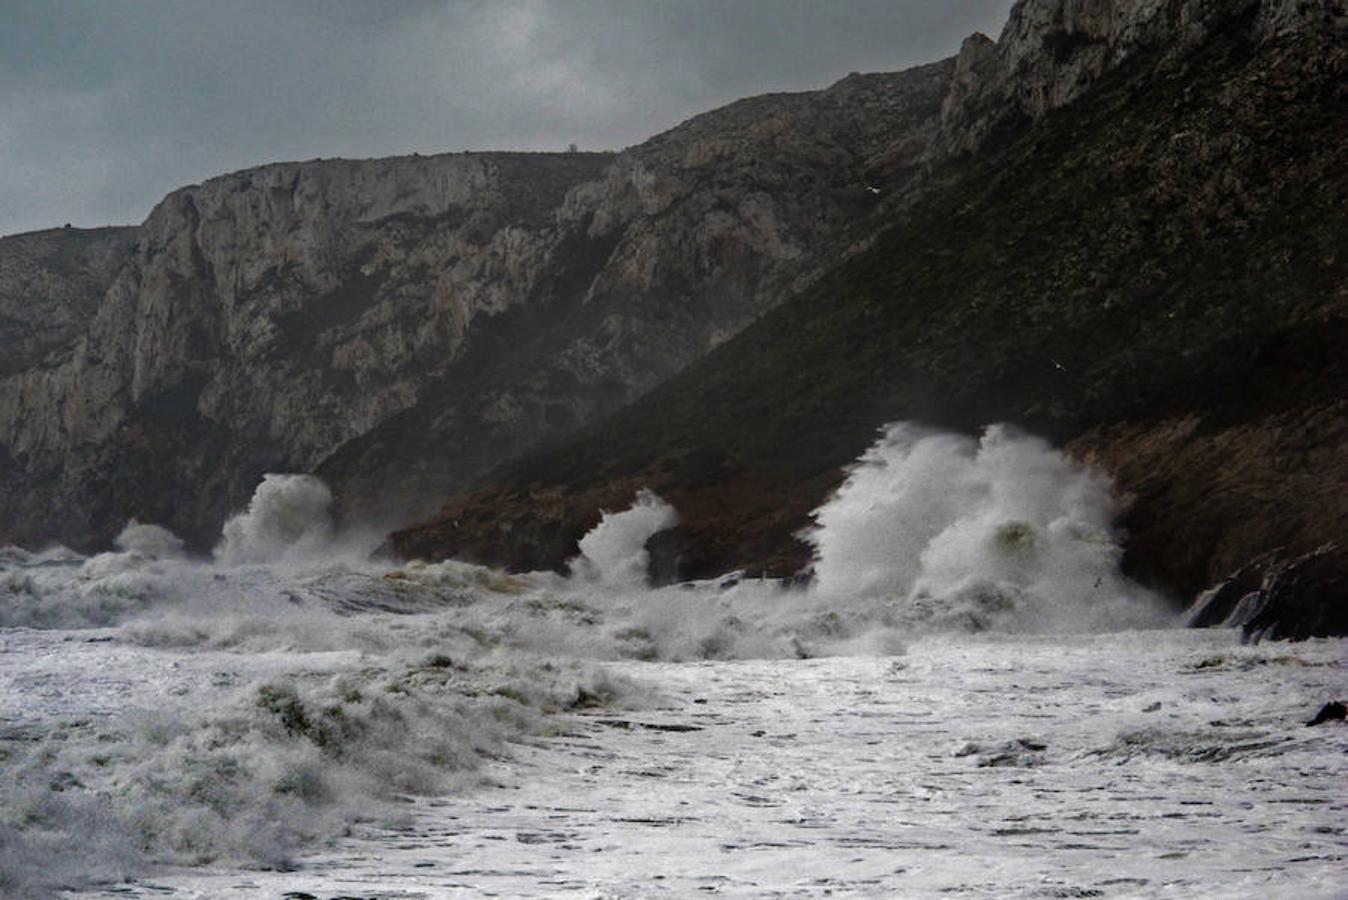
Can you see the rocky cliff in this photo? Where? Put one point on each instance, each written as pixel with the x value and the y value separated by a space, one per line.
pixel 400 325
pixel 1131 240
pixel 1121 225
pixel 51 283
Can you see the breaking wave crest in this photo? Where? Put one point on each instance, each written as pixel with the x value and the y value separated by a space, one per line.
pixel 1002 532
pixel 288 519
pixel 614 552
pixel 278 761
pixel 348 682
pixel 929 532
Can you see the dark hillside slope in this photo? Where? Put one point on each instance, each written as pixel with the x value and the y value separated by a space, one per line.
pixel 1155 275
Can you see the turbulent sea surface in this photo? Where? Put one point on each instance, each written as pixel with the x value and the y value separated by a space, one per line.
pixel 968 700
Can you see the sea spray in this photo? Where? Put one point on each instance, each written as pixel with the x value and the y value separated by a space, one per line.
pixel 614 552
pixel 998 532
pixel 260 566
pixel 930 531
pixel 289 519
pixel 153 541
pixel 317 684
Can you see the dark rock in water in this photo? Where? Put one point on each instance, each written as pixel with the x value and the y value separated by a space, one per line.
pixel 625 725
pixel 1332 711
pixel 1274 597
pixel 1220 603
pixel 665 565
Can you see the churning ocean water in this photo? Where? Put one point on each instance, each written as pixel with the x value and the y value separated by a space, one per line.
pixel 969 699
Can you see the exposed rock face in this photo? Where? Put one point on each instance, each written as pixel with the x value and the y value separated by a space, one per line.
pixel 1052 51
pixel 1276 597
pixel 51 283
pixel 683 242
pixel 1152 274
pixel 399 325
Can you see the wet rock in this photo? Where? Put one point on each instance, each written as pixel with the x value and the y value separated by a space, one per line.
pixel 1217 605
pixel 1276 597
pixel 1330 712
pixel 626 725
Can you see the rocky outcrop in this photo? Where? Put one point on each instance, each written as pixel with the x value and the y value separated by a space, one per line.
pixel 400 325
pixel 1333 711
pixel 1151 274
pixel 1253 464
pixel 1277 597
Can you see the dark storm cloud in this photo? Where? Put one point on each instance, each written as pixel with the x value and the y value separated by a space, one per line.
pixel 106 105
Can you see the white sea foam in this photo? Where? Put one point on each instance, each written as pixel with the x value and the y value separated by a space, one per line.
pixel 1002 532
pixel 313 684
pixel 153 541
pixel 246 759
pixel 289 519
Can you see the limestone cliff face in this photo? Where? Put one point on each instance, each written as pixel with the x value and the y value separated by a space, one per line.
pixel 1053 51
pixel 401 324
pixel 51 283
pixel 683 241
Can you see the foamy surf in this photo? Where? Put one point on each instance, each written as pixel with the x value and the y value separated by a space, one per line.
pixel 1001 532
pixel 243 711
pixel 974 765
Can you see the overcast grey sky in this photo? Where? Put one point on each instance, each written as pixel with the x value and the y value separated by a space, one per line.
pixel 106 105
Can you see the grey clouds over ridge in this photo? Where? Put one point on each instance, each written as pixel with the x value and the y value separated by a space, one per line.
pixel 106 105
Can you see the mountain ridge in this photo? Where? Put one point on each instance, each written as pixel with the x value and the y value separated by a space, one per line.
pixel 1152 275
